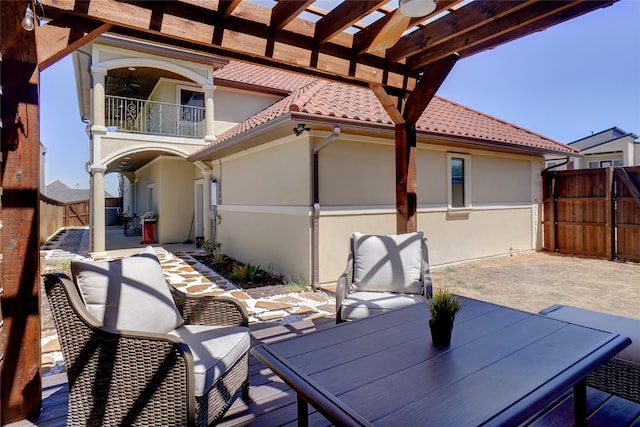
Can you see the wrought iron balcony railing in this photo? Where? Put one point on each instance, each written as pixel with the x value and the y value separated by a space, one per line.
pixel 150 117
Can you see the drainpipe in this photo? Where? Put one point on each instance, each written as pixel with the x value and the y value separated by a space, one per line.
pixel 315 224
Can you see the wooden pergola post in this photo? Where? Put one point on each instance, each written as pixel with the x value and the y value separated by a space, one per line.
pixel 406 185
pixel 405 132
pixel 20 179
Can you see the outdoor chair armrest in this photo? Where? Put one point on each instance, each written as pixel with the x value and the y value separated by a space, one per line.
pixel 158 388
pixel 343 285
pixel 210 310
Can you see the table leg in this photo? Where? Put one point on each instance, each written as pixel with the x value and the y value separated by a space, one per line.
pixel 303 412
pixel 580 403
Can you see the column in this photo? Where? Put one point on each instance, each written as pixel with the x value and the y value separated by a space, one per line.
pixel 97 210
pixel 98 74
pixel 209 128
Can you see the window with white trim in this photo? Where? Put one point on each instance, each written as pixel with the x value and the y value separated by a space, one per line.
pixel 459 181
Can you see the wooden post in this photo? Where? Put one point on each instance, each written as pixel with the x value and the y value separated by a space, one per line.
pixel 20 275
pixel 406 186
pixel 553 211
pixel 609 216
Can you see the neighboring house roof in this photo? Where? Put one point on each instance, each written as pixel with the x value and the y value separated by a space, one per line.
pixel 603 137
pixel 332 100
pixel 59 191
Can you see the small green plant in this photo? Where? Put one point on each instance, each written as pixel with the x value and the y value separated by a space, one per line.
pixel 443 305
pixel 248 273
pixel 218 257
pixel 211 248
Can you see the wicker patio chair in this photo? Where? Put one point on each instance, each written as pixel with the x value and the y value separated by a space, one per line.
pixel 149 354
pixel 621 374
pixel 383 272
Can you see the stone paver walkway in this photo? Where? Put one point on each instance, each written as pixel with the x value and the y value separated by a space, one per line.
pixel 184 271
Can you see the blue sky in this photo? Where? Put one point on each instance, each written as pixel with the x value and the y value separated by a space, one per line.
pixel 579 77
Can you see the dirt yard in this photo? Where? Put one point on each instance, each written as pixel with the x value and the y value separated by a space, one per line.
pixel 532 281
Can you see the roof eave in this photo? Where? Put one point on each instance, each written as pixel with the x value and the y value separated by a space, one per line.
pixel 510 146
pixel 253 137
pixel 244 141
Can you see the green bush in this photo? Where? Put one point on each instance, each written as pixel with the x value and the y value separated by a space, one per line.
pixel 248 273
pixel 211 248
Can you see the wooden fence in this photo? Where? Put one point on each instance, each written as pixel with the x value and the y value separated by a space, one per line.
pixel 593 212
pixel 55 215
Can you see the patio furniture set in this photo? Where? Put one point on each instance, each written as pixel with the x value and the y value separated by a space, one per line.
pixel 140 352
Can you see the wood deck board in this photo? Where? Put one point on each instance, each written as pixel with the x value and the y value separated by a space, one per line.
pixel 273 403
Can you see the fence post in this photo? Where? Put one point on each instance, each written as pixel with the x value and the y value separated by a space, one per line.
pixel 609 216
pixel 553 227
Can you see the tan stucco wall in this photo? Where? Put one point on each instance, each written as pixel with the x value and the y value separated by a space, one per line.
pixel 266 195
pixel 264 211
pixel 233 106
pixel 483 233
pixel 172 179
pixel 277 241
pixel 363 196
pixel 274 174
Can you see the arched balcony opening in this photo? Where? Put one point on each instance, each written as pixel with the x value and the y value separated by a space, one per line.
pixel 153 101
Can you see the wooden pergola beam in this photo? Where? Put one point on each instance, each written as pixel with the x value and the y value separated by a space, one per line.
pixel 426 88
pixel 343 16
pixel 535 16
pixel 64 35
pixel 466 19
pixel 363 39
pixel 406 150
pixel 286 11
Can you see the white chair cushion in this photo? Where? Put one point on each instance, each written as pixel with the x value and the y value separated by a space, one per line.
pixel 359 305
pixel 128 294
pixel 215 349
pixel 387 263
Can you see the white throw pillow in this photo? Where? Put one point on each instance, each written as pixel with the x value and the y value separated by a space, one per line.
pixel 387 263
pixel 129 293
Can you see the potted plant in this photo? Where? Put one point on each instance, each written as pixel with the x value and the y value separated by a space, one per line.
pixel 443 308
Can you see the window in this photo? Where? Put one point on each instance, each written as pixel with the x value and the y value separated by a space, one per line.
pixel 192 103
pixel 459 181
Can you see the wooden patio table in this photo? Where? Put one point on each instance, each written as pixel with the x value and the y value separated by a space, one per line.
pixel 503 366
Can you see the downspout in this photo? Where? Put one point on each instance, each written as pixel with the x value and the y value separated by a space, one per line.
pixel 315 224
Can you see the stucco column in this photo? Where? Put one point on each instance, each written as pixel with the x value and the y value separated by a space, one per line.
pixel 99 74
pixel 97 210
pixel 206 205
pixel 209 128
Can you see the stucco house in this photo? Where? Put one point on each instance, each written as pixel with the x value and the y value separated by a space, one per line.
pixel 610 147
pixel 282 168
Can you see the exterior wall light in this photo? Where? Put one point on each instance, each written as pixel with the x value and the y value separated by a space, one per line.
pixel 417 8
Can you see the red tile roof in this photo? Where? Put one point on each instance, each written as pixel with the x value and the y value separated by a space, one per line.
pixel 332 99
pixel 261 76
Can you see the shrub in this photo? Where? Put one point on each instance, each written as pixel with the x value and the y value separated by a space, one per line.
pixel 248 273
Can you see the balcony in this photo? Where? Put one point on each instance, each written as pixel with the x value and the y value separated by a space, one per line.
pixel 131 115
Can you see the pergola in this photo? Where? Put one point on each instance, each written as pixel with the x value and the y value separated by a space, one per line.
pixel 370 43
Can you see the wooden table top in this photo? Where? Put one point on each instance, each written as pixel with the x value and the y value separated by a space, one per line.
pixel 502 365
